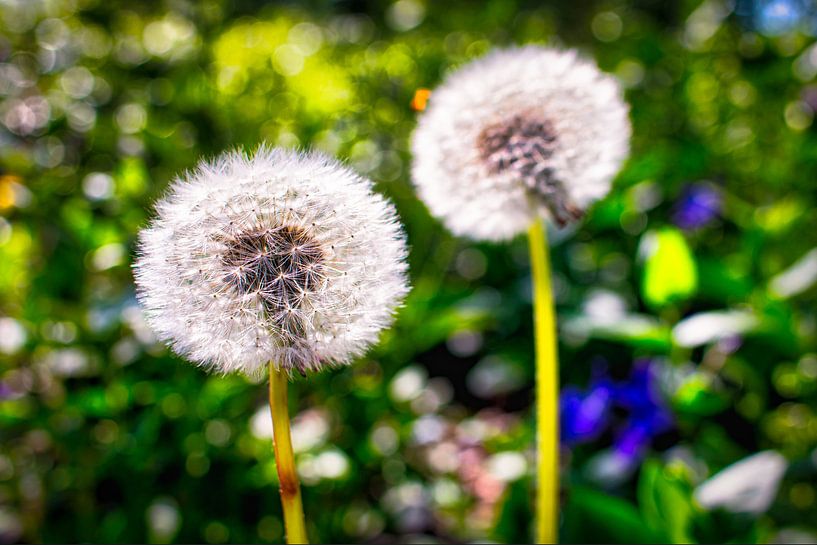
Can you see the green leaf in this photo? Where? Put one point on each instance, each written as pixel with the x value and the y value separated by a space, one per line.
pixel 514 520
pixel 670 273
pixel 666 502
pixel 637 330
pixel 696 396
pixel 131 176
pixel 595 517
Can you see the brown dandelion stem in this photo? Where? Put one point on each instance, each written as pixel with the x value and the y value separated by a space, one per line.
pixel 284 458
pixel 547 389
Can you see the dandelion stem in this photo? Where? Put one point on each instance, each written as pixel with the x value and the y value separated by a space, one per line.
pixel 547 390
pixel 284 458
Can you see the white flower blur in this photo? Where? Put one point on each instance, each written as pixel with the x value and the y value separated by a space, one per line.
pixel 282 256
pixel 747 486
pixel 519 133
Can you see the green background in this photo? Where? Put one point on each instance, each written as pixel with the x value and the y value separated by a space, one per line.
pixel 105 436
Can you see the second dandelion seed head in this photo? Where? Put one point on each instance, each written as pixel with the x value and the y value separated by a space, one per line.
pixel 520 133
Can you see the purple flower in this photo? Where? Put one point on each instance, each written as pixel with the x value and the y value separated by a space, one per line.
pixel 585 415
pixel 6 391
pixel 698 205
pixel 647 414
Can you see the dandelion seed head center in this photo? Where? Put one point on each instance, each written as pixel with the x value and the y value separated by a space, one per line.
pixel 525 145
pixel 280 264
pixel 519 139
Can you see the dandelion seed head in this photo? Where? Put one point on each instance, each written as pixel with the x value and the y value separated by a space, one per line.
pixel 520 133
pixel 280 256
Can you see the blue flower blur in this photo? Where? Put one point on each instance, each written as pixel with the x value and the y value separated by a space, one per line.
pixel 698 206
pixel 586 415
pixel 777 17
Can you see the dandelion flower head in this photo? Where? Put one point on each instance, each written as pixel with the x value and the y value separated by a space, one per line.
pixel 280 256
pixel 517 134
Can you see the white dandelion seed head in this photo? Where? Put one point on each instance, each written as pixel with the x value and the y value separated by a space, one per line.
pixel 281 256
pixel 517 134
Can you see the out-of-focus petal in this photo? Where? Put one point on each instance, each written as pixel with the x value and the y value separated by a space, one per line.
pixel 747 486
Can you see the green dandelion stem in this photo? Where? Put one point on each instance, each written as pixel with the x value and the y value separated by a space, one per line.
pixel 285 459
pixel 547 389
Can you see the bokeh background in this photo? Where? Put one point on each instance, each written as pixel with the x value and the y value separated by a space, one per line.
pixel 686 299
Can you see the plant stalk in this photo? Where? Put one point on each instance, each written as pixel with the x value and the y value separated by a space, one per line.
pixel 547 389
pixel 285 459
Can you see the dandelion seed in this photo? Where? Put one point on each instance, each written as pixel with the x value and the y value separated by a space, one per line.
pixel 518 134
pixel 281 256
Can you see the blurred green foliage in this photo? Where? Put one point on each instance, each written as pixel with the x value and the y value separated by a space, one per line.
pixel 106 436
